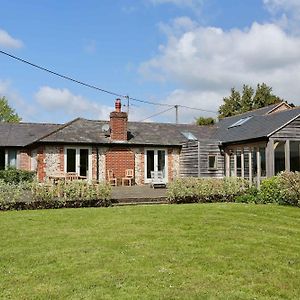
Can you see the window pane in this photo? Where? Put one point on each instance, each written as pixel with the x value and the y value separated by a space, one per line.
pixel 71 160
pixel 12 158
pixel 2 159
pixel 239 163
pixel 279 157
pixel 84 165
pixel 212 162
pixel 262 151
pixel 161 161
pixel 295 156
pixel 150 162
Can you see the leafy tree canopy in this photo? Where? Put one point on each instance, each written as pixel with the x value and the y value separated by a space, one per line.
pixel 205 121
pixel 238 103
pixel 7 114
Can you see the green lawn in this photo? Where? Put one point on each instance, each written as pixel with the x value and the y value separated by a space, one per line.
pixel 208 251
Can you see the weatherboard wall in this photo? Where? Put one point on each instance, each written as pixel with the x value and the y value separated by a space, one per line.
pixel 290 131
pixel 194 159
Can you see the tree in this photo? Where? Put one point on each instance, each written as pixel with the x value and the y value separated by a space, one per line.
pixel 205 121
pixel 7 114
pixel 232 104
pixel 237 103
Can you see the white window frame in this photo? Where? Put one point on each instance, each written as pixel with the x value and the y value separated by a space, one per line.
pixel 148 180
pixel 77 160
pixel 6 158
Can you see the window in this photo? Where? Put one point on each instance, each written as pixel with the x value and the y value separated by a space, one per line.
pixel 8 158
pixel 240 122
pixel 2 159
pixel 212 162
pixel 295 156
pixel 12 158
pixel 189 136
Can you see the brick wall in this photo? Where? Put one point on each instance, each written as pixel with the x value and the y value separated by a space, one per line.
pixel 41 164
pixel 25 159
pixel 119 160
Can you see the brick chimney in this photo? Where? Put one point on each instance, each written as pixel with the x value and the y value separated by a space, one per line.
pixel 118 123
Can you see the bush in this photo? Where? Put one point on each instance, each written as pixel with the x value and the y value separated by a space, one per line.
pixel 44 196
pixel 290 187
pixel 270 191
pixel 11 192
pixel 250 196
pixel 73 190
pixel 188 190
pixel 13 175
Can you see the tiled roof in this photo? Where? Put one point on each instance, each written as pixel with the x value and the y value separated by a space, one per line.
pixel 259 126
pixel 90 131
pixel 22 134
pixel 83 131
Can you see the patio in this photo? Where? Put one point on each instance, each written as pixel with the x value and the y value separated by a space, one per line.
pixel 136 194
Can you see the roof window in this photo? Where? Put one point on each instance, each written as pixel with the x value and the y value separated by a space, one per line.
pixel 189 136
pixel 240 122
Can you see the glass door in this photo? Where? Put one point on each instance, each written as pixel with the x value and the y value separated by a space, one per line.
pixel 84 162
pixel 155 161
pixel 78 160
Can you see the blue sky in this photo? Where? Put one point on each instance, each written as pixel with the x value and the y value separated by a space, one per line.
pixel 188 52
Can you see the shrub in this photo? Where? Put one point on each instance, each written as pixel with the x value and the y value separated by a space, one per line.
pixel 290 187
pixel 9 192
pixel 270 191
pixel 73 190
pixel 188 190
pixel 13 175
pixel 249 196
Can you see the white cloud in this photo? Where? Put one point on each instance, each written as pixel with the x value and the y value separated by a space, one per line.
pixel 286 13
pixel 62 101
pixel 8 41
pixel 208 61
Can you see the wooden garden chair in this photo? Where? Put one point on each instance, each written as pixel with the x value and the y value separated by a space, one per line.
pixel 128 177
pixel 71 176
pixel 112 180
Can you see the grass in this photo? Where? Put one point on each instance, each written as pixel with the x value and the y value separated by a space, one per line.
pixel 209 251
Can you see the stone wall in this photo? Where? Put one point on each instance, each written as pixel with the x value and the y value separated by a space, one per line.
pixel 139 166
pixel 54 160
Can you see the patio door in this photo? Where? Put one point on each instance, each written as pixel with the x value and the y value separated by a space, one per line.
pixel 155 160
pixel 78 160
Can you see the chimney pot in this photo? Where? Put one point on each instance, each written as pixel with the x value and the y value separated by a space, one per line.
pixel 118 123
pixel 118 105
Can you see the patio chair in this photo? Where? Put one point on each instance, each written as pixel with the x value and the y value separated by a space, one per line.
pixel 71 176
pixel 128 177
pixel 112 180
pixel 157 179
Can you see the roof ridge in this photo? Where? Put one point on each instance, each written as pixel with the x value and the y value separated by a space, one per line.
pixel 58 129
pixel 253 110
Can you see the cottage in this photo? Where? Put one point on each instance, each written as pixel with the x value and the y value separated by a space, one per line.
pixel 252 145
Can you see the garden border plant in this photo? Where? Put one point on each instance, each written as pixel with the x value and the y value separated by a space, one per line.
pixel 282 189
pixel 46 195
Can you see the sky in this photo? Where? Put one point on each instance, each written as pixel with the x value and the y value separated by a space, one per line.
pixel 176 52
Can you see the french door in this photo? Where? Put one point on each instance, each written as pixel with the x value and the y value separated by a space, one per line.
pixel 78 160
pixel 156 160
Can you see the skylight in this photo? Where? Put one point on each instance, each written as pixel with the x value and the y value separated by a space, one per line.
pixel 240 122
pixel 189 136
